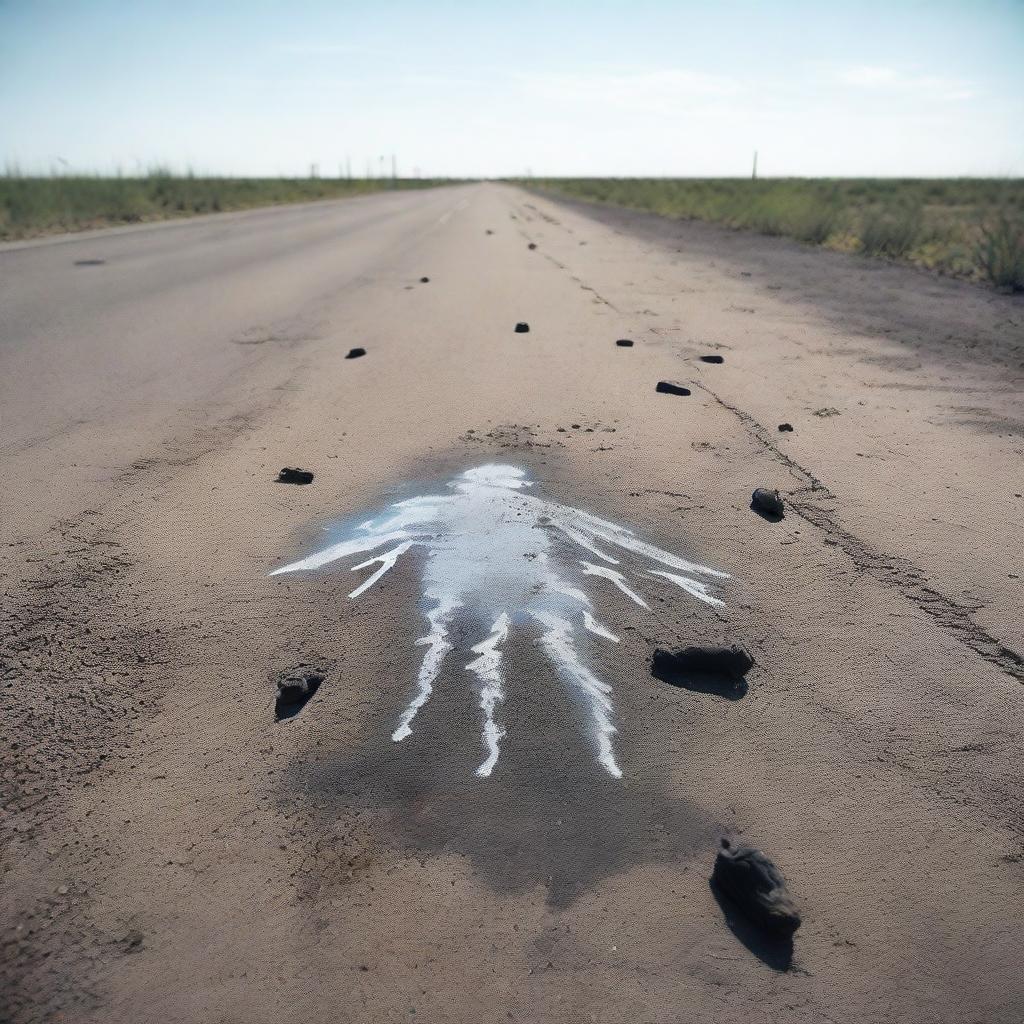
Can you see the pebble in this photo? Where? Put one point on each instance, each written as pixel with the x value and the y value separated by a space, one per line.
pixel 729 661
pixel 766 500
pixel 294 476
pixel 756 886
pixel 666 387
pixel 295 687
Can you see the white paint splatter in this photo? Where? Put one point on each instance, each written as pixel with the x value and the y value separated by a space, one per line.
pixel 438 645
pixel 497 555
pixel 617 578
pixel 488 670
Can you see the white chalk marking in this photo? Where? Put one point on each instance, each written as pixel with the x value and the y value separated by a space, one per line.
pixel 387 561
pixel 438 645
pixel 499 553
pixel 557 641
pixel 336 551
pixel 581 539
pixel 487 669
pixel 596 627
pixel 695 587
pixel 617 578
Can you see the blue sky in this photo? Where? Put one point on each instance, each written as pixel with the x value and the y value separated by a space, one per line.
pixel 606 87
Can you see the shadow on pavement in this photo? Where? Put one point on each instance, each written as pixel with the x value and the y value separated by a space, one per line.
pixel 548 815
pixel 772 950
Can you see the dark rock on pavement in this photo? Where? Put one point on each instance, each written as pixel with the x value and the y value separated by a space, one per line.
pixel 666 387
pixel 355 353
pixel 767 502
pixel 728 661
pixel 522 327
pixel 716 670
pixel 294 476
pixel 712 359
pixel 295 687
pixel 624 343
pixel 756 887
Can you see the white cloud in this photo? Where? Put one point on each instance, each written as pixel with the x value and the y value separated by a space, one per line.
pixel 894 81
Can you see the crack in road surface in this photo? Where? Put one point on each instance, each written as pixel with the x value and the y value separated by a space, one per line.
pixel 902 575
pixel 891 571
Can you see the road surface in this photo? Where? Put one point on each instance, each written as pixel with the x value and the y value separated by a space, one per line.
pixel 173 853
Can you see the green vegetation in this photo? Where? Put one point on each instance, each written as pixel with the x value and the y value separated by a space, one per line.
pixel 968 227
pixel 1000 252
pixel 36 206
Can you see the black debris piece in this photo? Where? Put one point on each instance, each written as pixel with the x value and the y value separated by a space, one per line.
pixel 767 502
pixel 727 661
pixel 624 343
pixel 90 263
pixel 295 688
pixel 294 476
pixel 712 359
pixel 424 280
pixel 666 387
pixel 522 327
pixel 785 428
pixel 355 353
pixel 715 670
pixel 488 232
pixel 532 245
pixel 756 887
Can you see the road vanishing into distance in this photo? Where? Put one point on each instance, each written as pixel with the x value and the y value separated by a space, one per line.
pixel 484 806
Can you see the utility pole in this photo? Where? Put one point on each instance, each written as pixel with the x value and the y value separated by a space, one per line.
pixel 753 176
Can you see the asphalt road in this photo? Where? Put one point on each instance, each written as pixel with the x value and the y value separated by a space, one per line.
pixel 171 852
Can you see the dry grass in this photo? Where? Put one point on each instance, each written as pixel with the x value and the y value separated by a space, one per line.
pixel 969 227
pixel 1000 252
pixel 32 206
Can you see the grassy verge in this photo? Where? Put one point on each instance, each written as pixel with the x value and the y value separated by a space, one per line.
pixel 39 206
pixel 972 228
